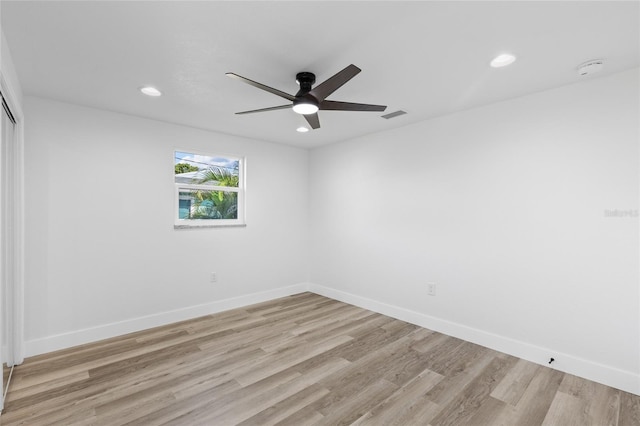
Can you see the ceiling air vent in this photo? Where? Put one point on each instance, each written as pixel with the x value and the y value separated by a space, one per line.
pixel 393 114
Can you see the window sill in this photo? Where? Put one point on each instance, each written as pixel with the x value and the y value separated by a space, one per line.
pixel 233 225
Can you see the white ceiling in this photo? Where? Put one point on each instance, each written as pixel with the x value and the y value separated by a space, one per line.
pixel 427 58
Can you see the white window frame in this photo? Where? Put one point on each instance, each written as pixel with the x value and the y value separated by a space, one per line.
pixel 211 223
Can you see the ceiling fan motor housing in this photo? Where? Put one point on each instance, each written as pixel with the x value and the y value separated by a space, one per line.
pixel 305 80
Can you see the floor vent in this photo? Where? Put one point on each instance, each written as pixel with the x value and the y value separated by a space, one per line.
pixel 393 114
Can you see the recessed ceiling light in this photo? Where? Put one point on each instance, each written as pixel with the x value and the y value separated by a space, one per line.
pixel 503 60
pixel 150 91
pixel 302 129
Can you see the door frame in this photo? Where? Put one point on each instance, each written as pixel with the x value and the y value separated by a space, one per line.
pixel 14 260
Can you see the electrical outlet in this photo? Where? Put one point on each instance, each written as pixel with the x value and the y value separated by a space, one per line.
pixel 214 277
pixel 431 289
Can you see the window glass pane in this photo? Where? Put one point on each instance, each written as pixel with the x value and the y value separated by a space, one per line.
pixel 190 168
pixel 199 204
pixel 185 206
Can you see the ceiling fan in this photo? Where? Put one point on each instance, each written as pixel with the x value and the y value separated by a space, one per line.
pixel 309 100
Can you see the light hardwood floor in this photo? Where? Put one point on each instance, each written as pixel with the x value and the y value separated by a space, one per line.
pixel 302 360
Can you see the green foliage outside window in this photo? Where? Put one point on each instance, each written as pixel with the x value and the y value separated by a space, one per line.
pixel 217 204
pixel 184 168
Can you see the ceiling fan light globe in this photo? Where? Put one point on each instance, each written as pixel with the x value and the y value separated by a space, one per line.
pixel 305 108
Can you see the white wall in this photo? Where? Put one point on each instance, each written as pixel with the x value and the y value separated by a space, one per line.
pixel 503 207
pixel 102 253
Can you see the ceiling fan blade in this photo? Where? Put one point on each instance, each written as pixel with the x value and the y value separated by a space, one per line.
pixel 350 106
pixel 324 89
pixel 261 86
pixel 265 109
pixel 313 120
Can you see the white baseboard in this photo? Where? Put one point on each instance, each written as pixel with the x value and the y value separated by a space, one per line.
pixel 87 335
pixel 607 375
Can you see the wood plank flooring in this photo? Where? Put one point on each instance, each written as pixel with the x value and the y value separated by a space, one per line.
pixel 302 360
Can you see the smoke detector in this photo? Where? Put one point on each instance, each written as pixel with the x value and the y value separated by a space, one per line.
pixel 590 67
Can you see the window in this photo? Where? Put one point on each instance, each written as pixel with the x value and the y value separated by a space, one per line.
pixel 209 190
